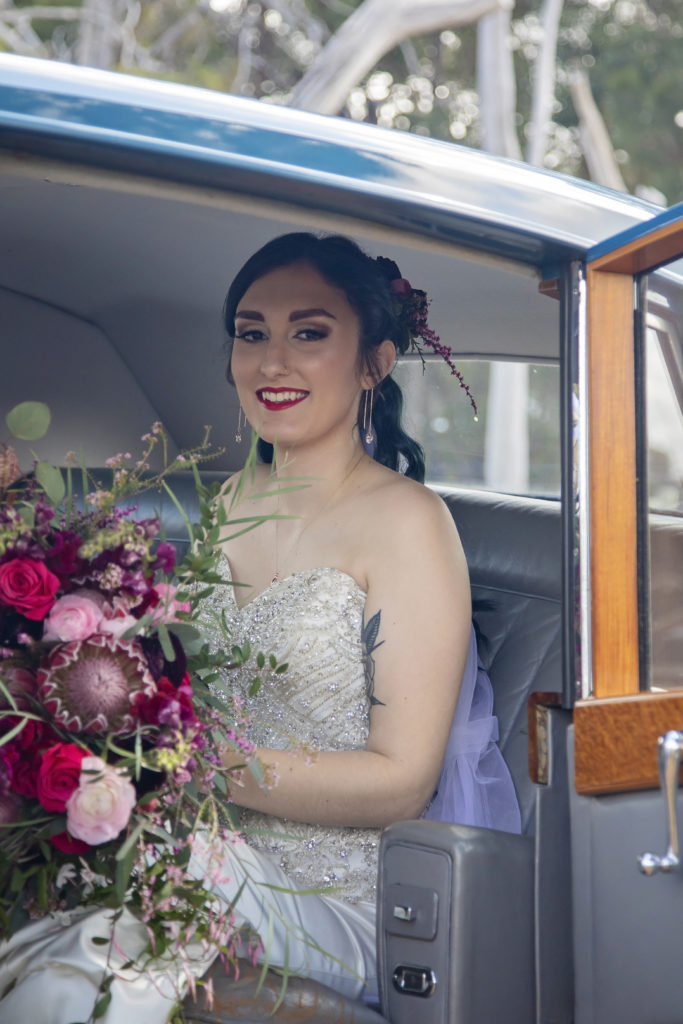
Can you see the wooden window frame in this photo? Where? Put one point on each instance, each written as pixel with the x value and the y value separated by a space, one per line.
pixel 616 729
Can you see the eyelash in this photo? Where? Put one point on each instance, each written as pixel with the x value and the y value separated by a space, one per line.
pixel 253 335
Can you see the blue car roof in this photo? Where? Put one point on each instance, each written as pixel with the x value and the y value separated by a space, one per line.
pixel 392 178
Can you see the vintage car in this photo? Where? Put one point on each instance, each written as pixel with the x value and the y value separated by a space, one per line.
pixel 127 205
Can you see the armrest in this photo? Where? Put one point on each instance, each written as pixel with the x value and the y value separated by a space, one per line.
pixel 455 924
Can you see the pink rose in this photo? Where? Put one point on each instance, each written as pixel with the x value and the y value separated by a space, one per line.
pixel 166 608
pixel 72 617
pixel 28 586
pixel 58 775
pixel 101 806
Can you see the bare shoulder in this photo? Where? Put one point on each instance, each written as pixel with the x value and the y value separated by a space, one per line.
pixel 408 528
pixel 401 507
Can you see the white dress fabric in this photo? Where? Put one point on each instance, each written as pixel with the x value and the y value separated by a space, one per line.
pixel 313 621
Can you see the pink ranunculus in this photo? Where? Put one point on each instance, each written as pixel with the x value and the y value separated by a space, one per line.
pixel 59 775
pixel 72 617
pixel 166 607
pixel 101 806
pixel 28 586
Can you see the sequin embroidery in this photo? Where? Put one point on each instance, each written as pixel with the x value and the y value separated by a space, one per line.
pixel 312 620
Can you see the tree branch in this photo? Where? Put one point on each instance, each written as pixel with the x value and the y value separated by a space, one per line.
pixel 375 28
pixel 544 83
pixel 595 140
pixel 496 85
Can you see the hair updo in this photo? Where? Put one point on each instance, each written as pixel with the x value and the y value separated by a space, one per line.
pixel 366 284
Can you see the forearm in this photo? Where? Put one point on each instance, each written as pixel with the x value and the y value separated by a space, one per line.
pixel 360 788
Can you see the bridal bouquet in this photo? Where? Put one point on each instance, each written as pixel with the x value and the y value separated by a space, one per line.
pixel 111 736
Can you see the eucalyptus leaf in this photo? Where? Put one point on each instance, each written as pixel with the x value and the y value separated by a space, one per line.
pixel 28 421
pixel 165 641
pixel 185 631
pixel 51 480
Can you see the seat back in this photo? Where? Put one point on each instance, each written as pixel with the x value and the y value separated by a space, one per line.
pixel 513 548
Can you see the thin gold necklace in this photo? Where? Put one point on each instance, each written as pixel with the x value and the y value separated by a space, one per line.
pixel 295 543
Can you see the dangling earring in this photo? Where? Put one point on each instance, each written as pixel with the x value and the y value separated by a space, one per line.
pixel 240 422
pixel 369 436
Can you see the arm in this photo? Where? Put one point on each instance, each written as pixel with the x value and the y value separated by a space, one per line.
pixel 422 597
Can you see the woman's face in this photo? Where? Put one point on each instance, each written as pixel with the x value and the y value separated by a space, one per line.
pixel 295 358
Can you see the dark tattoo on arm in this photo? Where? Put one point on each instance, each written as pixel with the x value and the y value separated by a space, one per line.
pixel 369 643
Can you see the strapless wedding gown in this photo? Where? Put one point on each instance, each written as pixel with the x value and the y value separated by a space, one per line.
pixel 313 620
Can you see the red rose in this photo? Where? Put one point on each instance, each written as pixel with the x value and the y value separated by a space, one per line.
pixel 28 586
pixel 58 775
pixel 67 844
pixel 25 777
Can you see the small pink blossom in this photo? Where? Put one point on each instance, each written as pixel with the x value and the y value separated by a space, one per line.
pixel 101 806
pixel 72 617
pixel 116 625
pixel 167 608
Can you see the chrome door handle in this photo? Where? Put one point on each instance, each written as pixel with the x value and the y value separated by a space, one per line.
pixel 670 749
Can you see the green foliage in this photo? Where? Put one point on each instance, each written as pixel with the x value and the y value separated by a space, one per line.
pixel 631 50
pixel 28 421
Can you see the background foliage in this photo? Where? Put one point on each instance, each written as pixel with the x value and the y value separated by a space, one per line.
pixel 630 49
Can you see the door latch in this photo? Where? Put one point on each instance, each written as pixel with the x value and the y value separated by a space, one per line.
pixel 670 750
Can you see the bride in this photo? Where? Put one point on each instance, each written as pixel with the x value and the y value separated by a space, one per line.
pixel 359 583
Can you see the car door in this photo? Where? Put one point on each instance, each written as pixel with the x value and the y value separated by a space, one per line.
pixel 628 925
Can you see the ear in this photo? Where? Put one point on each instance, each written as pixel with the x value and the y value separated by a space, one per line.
pixel 384 358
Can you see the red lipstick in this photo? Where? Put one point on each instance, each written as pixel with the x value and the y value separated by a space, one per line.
pixel 266 397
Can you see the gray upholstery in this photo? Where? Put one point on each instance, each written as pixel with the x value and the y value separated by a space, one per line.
pixel 471 891
pixel 513 550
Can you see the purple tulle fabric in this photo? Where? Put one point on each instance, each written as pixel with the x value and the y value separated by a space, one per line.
pixel 475 786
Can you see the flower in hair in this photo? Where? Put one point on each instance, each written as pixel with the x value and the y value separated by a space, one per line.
pixel 412 309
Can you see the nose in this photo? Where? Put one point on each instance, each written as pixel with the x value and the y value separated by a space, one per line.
pixel 274 357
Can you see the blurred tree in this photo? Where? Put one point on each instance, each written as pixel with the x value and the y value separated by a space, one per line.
pixel 497 84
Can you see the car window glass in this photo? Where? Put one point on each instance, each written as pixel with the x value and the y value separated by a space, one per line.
pixel 663 437
pixel 514 443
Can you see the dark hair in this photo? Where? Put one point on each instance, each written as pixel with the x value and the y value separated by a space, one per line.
pixel 366 285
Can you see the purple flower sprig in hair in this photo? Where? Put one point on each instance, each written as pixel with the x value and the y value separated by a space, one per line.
pixel 414 306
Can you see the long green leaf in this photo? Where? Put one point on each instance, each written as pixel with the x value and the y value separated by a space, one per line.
pixel 165 641
pixel 130 842
pixel 181 510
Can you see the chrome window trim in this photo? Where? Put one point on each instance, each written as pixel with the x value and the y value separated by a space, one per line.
pixel 582 499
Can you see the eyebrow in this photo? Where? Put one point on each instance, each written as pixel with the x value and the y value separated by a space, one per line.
pixel 297 314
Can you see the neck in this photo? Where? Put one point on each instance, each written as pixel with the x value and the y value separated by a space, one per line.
pixel 324 469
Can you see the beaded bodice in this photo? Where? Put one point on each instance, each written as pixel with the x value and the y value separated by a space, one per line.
pixel 313 621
